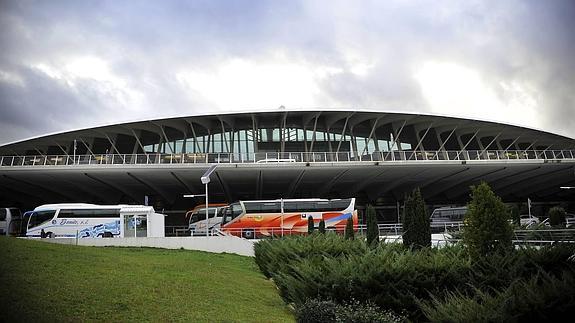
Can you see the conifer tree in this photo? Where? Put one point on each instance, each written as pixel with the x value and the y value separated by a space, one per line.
pixel 487 228
pixel 416 226
pixel 310 225
pixel 349 233
pixel 372 228
pixel 321 226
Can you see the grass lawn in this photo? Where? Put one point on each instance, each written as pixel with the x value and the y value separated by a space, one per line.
pixel 49 282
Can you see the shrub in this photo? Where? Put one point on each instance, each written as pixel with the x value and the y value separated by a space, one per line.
pixel 393 277
pixel 277 255
pixel 390 276
pixel 321 226
pixel 367 312
pixel 541 298
pixel 487 228
pixel 556 216
pixel 313 310
pixel 349 233
pixel 416 226
pixel 372 228
pixel 316 311
pixel 310 225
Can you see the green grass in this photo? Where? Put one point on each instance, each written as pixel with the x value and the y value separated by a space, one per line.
pixel 48 282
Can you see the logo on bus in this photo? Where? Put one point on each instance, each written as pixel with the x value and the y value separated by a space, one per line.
pixel 71 222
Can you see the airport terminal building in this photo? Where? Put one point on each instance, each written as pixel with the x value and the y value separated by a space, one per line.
pixel 374 156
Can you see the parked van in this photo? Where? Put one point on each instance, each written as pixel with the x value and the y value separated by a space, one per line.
pixel 10 221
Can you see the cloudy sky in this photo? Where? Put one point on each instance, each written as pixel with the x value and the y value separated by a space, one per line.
pixel 73 64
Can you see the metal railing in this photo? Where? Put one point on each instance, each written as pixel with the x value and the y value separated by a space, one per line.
pixel 284 158
pixel 176 231
pixel 393 232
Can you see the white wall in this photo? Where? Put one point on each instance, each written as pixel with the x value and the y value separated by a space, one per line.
pixel 218 244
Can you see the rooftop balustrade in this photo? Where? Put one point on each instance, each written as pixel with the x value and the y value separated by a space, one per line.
pixel 284 158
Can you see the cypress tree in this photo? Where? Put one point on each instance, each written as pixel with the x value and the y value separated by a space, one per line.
pixel 487 228
pixel 514 210
pixel 349 233
pixel 310 225
pixel 322 226
pixel 372 228
pixel 416 226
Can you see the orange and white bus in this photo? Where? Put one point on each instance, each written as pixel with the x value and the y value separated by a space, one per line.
pixel 255 219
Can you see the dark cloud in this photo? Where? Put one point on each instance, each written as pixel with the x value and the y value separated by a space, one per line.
pixel 145 44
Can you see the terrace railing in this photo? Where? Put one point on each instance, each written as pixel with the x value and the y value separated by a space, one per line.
pixel 285 158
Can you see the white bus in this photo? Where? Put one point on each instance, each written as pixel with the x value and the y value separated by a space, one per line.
pixel 10 221
pixel 197 223
pixel 93 221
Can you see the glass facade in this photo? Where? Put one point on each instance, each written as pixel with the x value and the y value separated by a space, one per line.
pixel 277 140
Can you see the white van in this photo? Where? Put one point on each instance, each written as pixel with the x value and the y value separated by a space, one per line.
pixel 10 221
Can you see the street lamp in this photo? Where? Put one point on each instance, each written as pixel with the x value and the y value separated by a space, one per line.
pixel 205 180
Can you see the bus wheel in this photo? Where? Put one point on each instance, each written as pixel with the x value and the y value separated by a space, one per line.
pixel 50 235
pixel 248 234
pixel 107 235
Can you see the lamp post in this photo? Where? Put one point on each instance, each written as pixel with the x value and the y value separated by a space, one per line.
pixel 282 216
pixel 205 180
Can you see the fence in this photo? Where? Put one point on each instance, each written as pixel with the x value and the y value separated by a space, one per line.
pixel 284 158
pixel 443 233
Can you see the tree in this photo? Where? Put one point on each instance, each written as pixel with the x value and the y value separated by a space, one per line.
pixel 487 228
pixel 372 228
pixel 310 225
pixel 349 233
pixel 514 211
pixel 556 216
pixel 416 226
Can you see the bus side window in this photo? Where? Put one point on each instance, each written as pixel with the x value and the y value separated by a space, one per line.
pixel 290 207
pixel 2 214
pixel 271 207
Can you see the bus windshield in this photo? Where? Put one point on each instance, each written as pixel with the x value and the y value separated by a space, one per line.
pixel 40 217
pixel 200 214
pixel 231 212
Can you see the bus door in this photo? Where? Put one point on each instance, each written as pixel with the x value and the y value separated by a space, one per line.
pixel 135 225
pixel 4 221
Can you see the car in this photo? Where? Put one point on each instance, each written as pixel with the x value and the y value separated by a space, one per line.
pixel 526 220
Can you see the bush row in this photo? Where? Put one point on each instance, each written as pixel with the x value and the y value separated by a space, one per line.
pixel 542 298
pixel 273 256
pixel 327 267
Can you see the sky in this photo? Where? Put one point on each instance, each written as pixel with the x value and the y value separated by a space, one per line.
pixel 73 64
